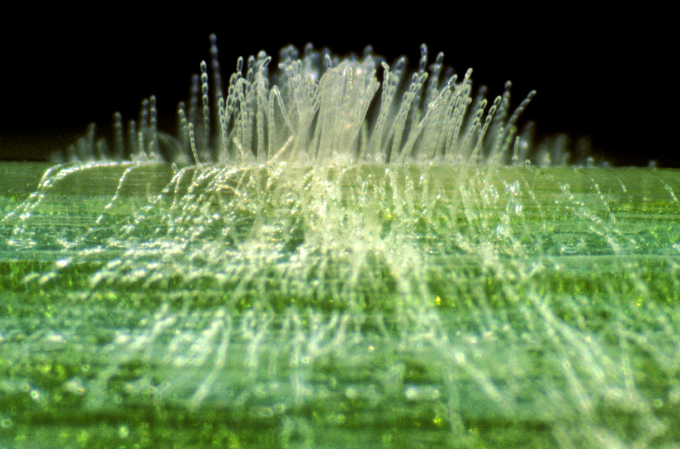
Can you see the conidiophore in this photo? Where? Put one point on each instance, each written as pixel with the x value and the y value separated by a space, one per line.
pixel 322 107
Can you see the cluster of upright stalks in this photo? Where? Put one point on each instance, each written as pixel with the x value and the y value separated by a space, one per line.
pixel 321 107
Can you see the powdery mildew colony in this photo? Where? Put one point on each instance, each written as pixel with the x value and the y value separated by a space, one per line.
pixel 338 279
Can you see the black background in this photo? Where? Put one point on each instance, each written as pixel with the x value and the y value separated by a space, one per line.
pixel 609 76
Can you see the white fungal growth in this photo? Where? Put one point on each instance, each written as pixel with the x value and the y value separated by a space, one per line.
pixel 320 108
